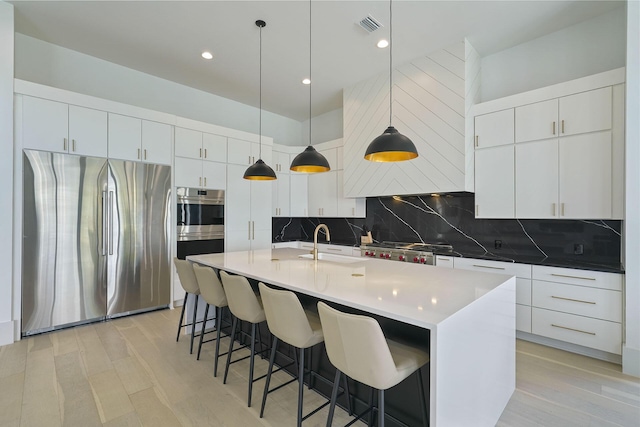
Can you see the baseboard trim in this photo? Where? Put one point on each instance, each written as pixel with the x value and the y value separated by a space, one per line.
pixel 7 332
pixel 573 348
pixel 631 361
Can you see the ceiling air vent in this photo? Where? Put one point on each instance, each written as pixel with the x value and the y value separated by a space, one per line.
pixel 370 24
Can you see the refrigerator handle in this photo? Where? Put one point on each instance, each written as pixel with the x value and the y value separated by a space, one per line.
pixel 105 231
pixel 110 222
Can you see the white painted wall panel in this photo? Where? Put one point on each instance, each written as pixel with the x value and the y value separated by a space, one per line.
pixel 428 107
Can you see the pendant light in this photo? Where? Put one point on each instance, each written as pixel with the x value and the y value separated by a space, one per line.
pixel 310 161
pixel 391 146
pixel 260 171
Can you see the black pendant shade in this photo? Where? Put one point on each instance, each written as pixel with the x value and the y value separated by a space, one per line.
pixel 391 146
pixel 259 171
pixel 310 161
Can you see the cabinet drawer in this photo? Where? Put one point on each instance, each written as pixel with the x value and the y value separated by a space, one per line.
pixel 335 249
pixel 523 318
pixel 305 245
pixel 444 261
pixel 585 331
pixel 594 279
pixel 591 302
pixel 510 268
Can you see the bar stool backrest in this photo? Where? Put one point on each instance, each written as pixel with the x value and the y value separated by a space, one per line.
pixel 186 275
pixel 286 318
pixel 357 347
pixel 210 286
pixel 243 302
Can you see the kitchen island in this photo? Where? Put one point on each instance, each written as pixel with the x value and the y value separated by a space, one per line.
pixel 470 318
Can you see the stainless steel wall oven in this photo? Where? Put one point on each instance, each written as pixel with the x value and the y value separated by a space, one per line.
pixel 200 221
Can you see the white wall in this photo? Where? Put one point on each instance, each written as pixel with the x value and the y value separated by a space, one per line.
pixel 52 65
pixel 6 173
pixel 325 127
pixel 631 348
pixel 583 49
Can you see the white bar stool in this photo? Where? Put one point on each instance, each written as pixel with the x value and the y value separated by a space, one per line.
pixel 190 286
pixel 292 324
pixel 244 305
pixel 213 293
pixel 358 348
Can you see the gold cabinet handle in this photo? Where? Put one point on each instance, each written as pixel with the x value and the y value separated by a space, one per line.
pixel 200 181
pixel 64 144
pixel 476 140
pixel 138 154
pixel 205 153
pixel 573 277
pixel 249 230
pixel 561 209
pixel 553 209
pixel 562 124
pixel 73 144
pixel 200 153
pixel 205 181
pixel 572 329
pixel 554 127
pixel 253 229
pixel 145 154
pixel 571 299
pixel 334 249
pixel 443 259
pixel 488 266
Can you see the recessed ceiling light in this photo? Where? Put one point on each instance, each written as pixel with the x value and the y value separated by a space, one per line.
pixel 207 55
pixel 383 43
pixel 306 81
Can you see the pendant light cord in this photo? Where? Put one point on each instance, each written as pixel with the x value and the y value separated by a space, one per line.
pixel 310 82
pixel 390 63
pixel 260 102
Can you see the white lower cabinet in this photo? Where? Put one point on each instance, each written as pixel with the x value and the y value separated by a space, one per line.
pixel 523 318
pixel 444 261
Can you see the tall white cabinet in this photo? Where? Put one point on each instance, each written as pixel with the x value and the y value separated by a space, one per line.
pixel 200 160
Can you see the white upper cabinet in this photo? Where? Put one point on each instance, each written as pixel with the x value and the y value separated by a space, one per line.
pixel 298 194
pixel 495 192
pixel 188 172
pixel 281 162
pixel 585 112
pixel 134 139
pixel 188 143
pixel 537 179
pixel 323 200
pixel 59 127
pixel 494 129
pixel 281 194
pixel 537 121
pixel 241 152
pixel 214 148
pixel 200 159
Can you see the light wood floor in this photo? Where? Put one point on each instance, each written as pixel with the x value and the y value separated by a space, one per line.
pixel 130 372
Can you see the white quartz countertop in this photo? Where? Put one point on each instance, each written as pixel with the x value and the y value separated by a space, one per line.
pixel 416 294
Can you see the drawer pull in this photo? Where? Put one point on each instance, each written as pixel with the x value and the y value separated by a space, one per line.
pixel 445 259
pixel 573 277
pixel 334 249
pixel 572 329
pixel 574 300
pixel 488 266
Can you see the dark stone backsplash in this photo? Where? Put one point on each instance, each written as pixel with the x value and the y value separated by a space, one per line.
pixel 450 219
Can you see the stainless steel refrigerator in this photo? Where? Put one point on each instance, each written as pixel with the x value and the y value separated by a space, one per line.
pixel 96 239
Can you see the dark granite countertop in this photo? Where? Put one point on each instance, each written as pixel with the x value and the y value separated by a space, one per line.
pixel 523 259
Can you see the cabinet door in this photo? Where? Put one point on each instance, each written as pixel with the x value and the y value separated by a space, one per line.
pixel 495 185
pixel 323 198
pixel 537 121
pixel 238 203
pixel 265 153
pixel 586 112
pixel 188 172
pixel 298 194
pixel 281 195
pixel 261 200
pixel 351 208
pixel 87 131
pixel 188 143
pixel 214 147
pixel 45 124
pixel 214 175
pixel 125 135
pixel 494 129
pixel 585 176
pixel 331 155
pixel 156 142
pixel 280 161
pixel 237 240
pixel 239 152
pixel 537 179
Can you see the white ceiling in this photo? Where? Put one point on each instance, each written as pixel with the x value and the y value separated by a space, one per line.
pixel 166 38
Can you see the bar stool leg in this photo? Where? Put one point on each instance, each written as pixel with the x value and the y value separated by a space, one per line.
pixel 253 349
pixel 204 323
pixel 193 324
pixel 301 385
pixel 371 405
pixel 334 396
pixel 348 394
pixel 218 326
pixel 423 400
pixel 233 336
pixel 380 408
pixel 184 304
pixel 272 359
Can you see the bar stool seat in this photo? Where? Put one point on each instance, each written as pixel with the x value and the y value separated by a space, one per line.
pixel 290 323
pixel 213 293
pixel 190 286
pixel 245 305
pixel 357 347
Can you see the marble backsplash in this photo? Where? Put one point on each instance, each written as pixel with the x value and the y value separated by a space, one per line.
pixel 450 219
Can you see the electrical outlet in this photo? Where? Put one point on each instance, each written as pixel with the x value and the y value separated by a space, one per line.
pixel 497 244
pixel 578 249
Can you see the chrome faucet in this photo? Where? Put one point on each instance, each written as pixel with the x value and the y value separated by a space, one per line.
pixel 315 239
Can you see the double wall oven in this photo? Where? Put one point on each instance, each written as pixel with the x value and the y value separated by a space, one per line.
pixel 200 216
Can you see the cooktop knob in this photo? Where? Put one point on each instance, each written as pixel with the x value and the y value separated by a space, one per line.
pixel 415 259
pixel 401 257
pixel 387 256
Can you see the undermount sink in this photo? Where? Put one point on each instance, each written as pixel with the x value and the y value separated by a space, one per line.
pixel 343 259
